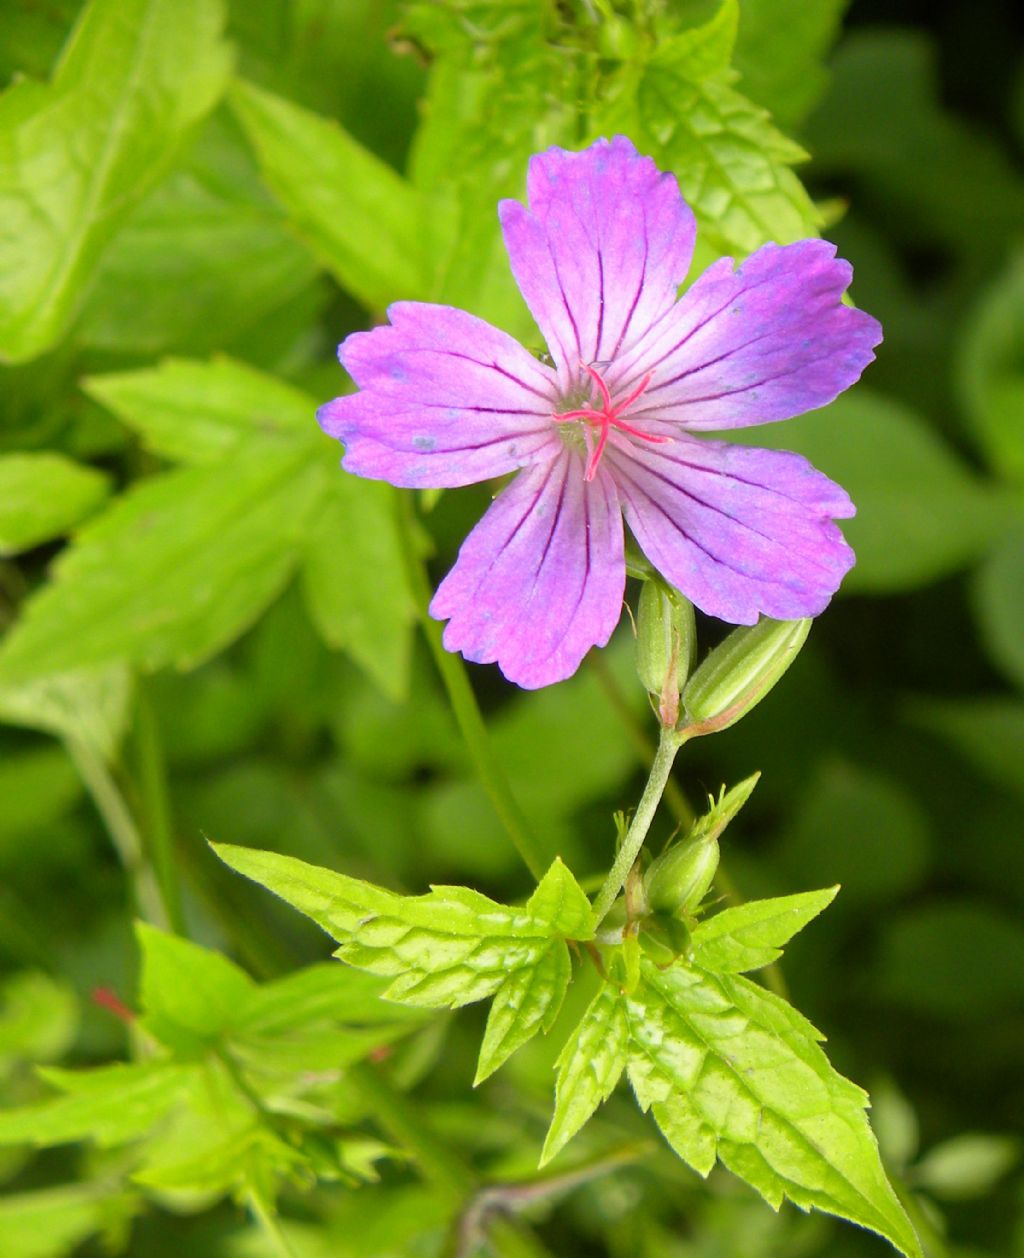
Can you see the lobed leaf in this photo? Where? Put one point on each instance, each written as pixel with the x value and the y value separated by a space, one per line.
pixel 731 1071
pixel 176 569
pixel 445 949
pixel 111 1104
pixel 78 153
pixel 749 936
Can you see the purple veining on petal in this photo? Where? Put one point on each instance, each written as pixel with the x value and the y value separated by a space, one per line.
pixel 742 532
pixel 766 342
pixel 539 581
pixel 598 252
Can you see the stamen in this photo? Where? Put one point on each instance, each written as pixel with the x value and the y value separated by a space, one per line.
pixel 607 418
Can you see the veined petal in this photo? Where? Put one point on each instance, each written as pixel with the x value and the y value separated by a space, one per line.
pixel 741 531
pixel 540 579
pixel 444 399
pixel 601 250
pixel 767 341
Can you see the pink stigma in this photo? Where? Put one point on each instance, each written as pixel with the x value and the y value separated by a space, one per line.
pixel 607 418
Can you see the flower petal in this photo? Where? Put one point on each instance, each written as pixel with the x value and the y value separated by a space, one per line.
pixel 444 399
pixel 540 579
pixel 765 342
pixel 740 531
pixel 601 251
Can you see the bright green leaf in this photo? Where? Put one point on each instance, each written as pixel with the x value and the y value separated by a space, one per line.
pixel 749 936
pixel 356 582
pixel 733 166
pixel 38 1018
pixel 190 996
pixel 339 197
pixel 42 496
pixel 205 412
pixel 176 569
pixel 589 1067
pixel 921 512
pixel 78 153
pixel 52 1222
pixel 528 1001
pixel 732 1071
pixel 701 52
pixel 110 1104
pixel 442 950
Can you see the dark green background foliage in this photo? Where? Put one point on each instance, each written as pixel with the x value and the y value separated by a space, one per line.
pixel 210 632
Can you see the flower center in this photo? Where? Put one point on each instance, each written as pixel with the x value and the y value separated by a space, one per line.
pixel 605 417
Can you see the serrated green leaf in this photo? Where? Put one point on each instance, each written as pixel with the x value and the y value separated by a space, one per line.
pixel 527 1002
pixel 178 567
pixel 89 706
pixel 356 583
pixel 921 493
pixel 190 996
pixel 559 901
pixel 445 949
pixel 111 1104
pixel 780 53
pixel 42 496
pixel 339 196
pixel 700 52
pixel 731 1071
pixel 202 413
pixel 589 1067
pixel 749 936
pixel 77 154
pixel 733 166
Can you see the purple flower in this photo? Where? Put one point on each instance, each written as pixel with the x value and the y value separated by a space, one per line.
pixel 615 426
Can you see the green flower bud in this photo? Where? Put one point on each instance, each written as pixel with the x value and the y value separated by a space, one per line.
pixel 739 672
pixel 665 643
pixel 679 879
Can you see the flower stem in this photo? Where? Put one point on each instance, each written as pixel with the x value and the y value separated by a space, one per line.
pixel 155 809
pixel 466 709
pixel 121 827
pixel 668 746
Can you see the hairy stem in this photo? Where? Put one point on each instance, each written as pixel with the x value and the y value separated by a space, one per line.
pixel 467 710
pixel 643 746
pixel 668 746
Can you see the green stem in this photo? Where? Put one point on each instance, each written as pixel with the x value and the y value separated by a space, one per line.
pixel 678 804
pixel 467 710
pixel 668 746
pixel 269 1227
pixel 121 827
pixel 156 811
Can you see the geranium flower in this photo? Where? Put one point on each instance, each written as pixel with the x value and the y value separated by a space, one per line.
pixel 615 425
